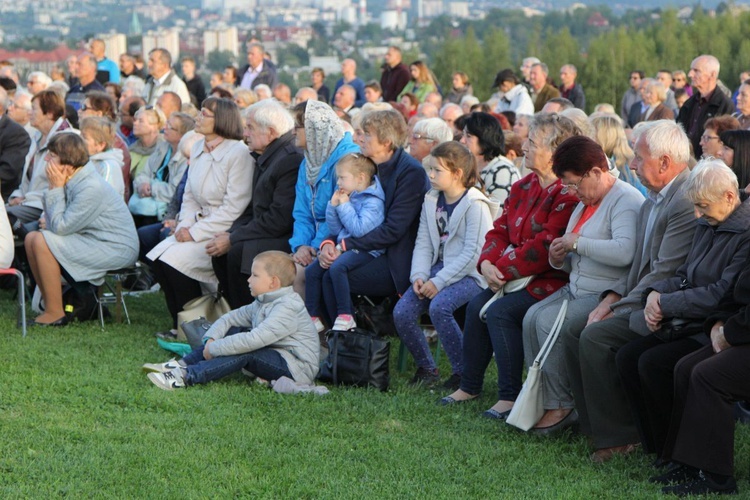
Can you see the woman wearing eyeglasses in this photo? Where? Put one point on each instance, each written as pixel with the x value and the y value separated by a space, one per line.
pixel 679 81
pixel 597 249
pixel 714 127
pixel 217 191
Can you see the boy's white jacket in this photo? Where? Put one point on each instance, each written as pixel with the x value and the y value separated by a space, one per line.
pixel 467 227
pixel 278 320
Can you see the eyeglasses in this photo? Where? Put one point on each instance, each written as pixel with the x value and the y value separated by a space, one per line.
pixel 84 107
pixel 575 185
pixel 709 138
pixel 206 114
pixel 417 137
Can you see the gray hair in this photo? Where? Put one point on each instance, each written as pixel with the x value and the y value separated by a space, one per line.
pixel 570 67
pixel 388 126
pixel 60 88
pixel 657 88
pixel 435 129
pixel 711 62
pixel 134 83
pixel 580 119
pixel 41 77
pixel 270 114
pixel 186 122
pixel 256 44
pixel 366 108
pixel 542 66
pixel 664 137
pixel 448 106
pixel 187 142
pixel 22 100
pixel 306 94
pixel 552 129
pixel 164 55
pixel 469 100
pixel 427 110
pixel 709 180
pixel 263 89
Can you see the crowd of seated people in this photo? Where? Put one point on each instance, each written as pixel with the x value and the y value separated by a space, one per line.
pixel 638 221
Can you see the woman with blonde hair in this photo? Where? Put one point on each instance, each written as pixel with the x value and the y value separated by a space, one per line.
pixel 147 127
pixel 422 82
pixel 610 134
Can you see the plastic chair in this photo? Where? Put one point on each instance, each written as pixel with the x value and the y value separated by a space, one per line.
pixel 21 295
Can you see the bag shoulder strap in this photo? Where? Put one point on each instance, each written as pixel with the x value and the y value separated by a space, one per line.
pixel 552 337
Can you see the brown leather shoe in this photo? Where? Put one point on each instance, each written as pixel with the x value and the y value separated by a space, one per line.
pixel 605 454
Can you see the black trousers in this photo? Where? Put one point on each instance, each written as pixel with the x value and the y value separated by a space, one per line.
pixel 178 289
pixel 645 366
pixel 707 385
pixel 232 281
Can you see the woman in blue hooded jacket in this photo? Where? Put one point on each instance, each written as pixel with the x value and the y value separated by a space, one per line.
pixel 320 133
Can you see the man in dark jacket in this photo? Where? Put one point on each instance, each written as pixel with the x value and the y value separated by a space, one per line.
pixel 267 222
pixel 570 89
pixel 258 70
pixel 395 75
pixel 14 145
pixel 704 104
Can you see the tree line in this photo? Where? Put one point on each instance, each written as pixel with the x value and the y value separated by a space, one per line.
pixel 604 56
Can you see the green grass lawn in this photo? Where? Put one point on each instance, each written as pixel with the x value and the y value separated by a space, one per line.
pixel 78 418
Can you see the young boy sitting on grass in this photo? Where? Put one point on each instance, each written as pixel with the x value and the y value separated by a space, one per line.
pixel 275 335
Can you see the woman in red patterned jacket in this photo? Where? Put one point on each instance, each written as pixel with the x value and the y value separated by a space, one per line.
pixel 536 212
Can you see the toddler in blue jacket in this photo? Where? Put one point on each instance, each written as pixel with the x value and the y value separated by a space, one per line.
pixel 356 208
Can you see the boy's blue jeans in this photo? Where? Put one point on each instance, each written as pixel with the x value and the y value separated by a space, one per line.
pixel 265 363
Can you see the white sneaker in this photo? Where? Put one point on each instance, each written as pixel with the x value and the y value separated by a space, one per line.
pixel 162 367
pixel 319 326
pixel 344 323
pixel 168 381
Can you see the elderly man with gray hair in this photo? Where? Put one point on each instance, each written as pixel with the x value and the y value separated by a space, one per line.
pixel 427 134
pixel 267 222
pixel 706 102
pixel 86 72
pixel 37 81
pixel 664 232
pixel 14 146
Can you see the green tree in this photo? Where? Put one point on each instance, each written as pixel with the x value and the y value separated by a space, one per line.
pixel 496 49
pixel 218 60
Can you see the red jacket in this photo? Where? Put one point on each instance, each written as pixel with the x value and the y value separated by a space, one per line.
pixel 532 217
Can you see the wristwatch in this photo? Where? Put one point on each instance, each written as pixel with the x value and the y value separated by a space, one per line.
pixel 338 247
pixel 575 244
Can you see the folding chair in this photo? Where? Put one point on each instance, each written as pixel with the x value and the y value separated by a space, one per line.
pixel 21 295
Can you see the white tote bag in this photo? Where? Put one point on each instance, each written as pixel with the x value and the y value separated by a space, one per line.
pixel 529 406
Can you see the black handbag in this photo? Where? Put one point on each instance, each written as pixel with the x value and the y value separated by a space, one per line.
pixel 377 318
pixel 356 357
pixel 678 328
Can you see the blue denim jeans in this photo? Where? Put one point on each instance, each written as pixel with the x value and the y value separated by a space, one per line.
pixel 410 308
pixel 331 286
pixel 265 363
pixel 501 334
